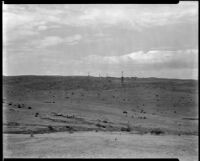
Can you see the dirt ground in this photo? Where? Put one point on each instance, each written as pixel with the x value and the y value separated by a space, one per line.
pixel 101 145
pixel 159 116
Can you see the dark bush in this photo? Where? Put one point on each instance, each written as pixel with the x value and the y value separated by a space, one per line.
pixel 157 131
pixel 125 129
pixel 19 106
pixel 99 125
pixel 51 128
pixel 125 112
pixel 36 114
pixel 29 108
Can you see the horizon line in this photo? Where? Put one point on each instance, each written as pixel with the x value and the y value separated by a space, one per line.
pixel 99 76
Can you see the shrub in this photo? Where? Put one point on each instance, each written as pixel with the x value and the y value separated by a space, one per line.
pixel 125 129
pixel 36 114
pixel 50 128
pixel 99 125
pixel 157 131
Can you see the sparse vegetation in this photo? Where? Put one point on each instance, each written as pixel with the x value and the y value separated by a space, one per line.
pixel 36 114
pixel 157 131
pixel 51 128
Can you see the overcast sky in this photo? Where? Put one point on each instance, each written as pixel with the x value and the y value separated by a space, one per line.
pixel 141 40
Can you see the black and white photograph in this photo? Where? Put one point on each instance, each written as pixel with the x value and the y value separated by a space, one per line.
pixel 100 80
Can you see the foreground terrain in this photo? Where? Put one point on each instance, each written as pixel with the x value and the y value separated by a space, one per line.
pixel 91 107
pixel 102 144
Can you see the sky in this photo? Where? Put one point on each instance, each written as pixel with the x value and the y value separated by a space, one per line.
pixel 143 40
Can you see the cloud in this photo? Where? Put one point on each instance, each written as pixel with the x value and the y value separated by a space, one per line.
pixel 42 27
pixel 55 40
pixel 132 16
pixel 137 16
pixel 150 59
pixel 72 39
pixel 50 40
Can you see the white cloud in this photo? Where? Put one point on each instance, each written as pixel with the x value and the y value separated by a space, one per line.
pixel 42 27
pixel 50 40
pixel 165 59
pixel 55 40
pixel 72 39
pixel 132 16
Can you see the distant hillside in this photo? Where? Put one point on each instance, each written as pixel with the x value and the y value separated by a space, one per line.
pixel 88 83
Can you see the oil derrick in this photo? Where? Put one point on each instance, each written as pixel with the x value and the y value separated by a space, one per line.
pixel 88 78
pixel 122 79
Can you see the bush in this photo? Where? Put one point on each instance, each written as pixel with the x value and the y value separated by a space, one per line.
pixel 157 131
pixel 51 128
pixel 99 125
pixel 36 114
pixel 105 121
pixel 125 129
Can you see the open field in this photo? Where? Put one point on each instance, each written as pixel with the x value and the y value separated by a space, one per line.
pixel 90 112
